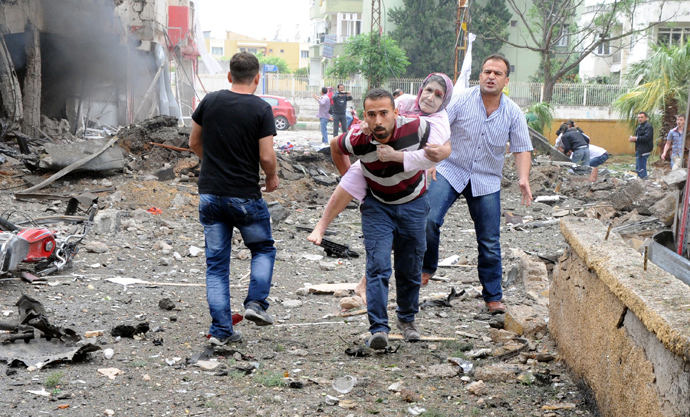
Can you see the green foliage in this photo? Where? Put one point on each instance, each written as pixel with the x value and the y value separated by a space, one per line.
pixel 269 378
pixel 302 72
pixel 376 61
pixel 426 31
pixel 53 380
pixel 495 15
pixel 539 116
pixel 662 81
pixel 274 60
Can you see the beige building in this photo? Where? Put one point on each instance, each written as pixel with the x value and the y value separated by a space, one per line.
pixel 235 42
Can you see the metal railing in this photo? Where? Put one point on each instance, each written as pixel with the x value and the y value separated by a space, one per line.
pixel 524 94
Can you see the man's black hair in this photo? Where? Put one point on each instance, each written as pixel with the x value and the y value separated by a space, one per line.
pixel 377 94
pixel 338 86
pixel 324 90
pixel 397 92
pixel 498 57
pixel 562 129
pixel 641 112
pixel 243 67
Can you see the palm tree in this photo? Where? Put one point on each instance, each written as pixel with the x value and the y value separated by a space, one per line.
pixel 662 83
pixel 539 116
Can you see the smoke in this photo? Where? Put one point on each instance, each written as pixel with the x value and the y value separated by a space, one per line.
pixel 87 54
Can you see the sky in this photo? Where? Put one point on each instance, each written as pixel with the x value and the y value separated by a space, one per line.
pixel 256 18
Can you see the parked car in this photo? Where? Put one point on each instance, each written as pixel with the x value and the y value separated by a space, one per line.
pixel 283 112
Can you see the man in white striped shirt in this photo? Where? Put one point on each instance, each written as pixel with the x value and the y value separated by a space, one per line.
pixel 482 120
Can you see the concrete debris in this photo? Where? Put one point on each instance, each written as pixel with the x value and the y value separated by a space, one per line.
pixel 477 388
pixel 349 303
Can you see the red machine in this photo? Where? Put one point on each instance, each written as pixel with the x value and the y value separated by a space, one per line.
pixel 39 246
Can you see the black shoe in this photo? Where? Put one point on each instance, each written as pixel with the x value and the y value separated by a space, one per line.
pixel 254 312
pixel 235 337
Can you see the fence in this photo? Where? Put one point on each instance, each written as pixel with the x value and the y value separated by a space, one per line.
pixel 524 94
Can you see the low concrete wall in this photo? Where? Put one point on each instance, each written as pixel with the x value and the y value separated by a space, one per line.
pixel 624 330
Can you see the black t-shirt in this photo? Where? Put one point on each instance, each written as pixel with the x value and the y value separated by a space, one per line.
pixel 340 103
pixel 232 125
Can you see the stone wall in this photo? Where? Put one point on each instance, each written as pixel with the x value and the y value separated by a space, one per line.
pixel 624 330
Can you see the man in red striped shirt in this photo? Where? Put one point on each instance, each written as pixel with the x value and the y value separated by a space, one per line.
pixel 393 212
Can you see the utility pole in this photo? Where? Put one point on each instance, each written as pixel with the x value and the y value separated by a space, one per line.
pixel 463 17
pixel 375 34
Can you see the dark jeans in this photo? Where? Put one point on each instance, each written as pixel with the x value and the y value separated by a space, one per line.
pixel 400 226
pixel 641 164
pixel 219 215
pixel 339 119
pixel 486 215
pixel 599 160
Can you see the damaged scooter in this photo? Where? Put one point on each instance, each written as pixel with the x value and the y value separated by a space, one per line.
pixel 39 248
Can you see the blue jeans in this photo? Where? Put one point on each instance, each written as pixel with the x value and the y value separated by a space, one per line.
pixel 599 160
pixel 219 215
pixel 641 164
pixel 339 120
pixel 400 226
pixel 349 119
pixel 581 156
pixel 324 129
pixel 486 215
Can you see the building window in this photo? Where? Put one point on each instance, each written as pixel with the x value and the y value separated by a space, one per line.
pixel 675 36
pixel 304 54
pixel 252 50
pixel 512 69
pixel 513 23
pixel 282 51
pixel 243 49
pixel 563 36
pixel 604 48
pixel 270 50
pixel 216 51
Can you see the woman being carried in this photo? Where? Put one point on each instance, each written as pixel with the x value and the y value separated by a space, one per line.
pixel 430 103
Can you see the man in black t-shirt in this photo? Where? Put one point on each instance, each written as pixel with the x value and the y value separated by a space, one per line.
pixel 339 107
pixel 232 133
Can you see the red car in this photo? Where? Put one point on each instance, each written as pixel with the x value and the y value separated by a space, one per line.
pixel 283 112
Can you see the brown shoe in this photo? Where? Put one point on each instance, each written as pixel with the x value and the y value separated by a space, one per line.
pixel 425 278
pixel 496 307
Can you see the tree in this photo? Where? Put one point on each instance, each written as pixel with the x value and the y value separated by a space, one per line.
pixel 539 116
pixel 282 65
pixel 493 15
pixel 376 61
pixel 425 29
pixel 608 25
pixel 302 72
pixel 662 81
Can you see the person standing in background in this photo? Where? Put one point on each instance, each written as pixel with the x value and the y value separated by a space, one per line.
pixel 644 143
pixel 340 99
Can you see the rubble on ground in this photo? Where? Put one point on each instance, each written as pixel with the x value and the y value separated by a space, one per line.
pixel 137 288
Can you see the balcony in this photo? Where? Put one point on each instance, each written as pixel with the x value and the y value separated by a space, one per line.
pixel 335 6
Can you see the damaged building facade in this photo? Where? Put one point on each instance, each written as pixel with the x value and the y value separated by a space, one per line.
pixel 95 63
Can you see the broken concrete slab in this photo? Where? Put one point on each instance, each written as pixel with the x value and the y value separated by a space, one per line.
pixel 665 209
pixel 627 194
pixel 676 178
pixel 63 155
pixel 526 320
